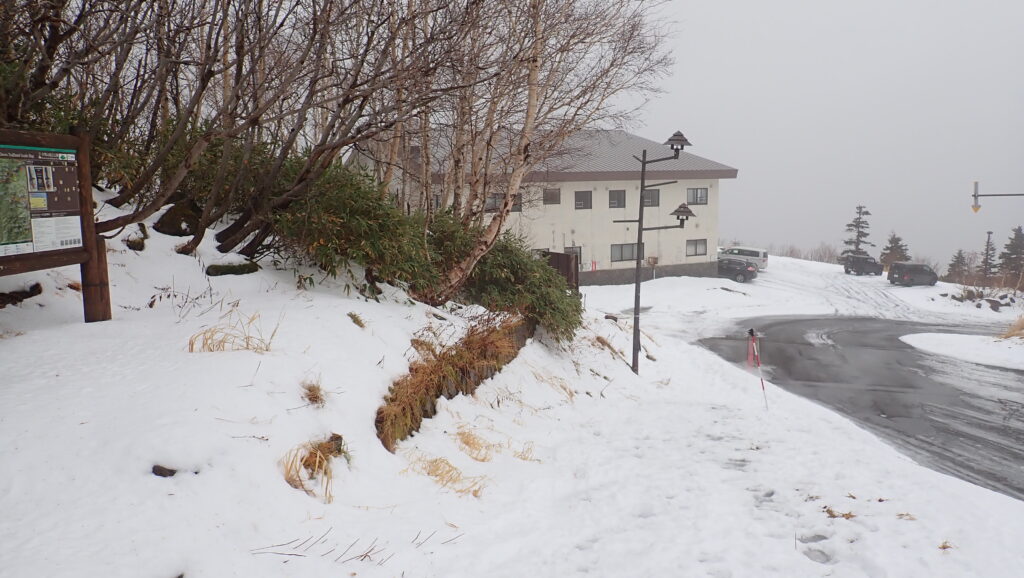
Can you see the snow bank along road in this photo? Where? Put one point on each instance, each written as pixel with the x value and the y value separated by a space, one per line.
pixel 954 416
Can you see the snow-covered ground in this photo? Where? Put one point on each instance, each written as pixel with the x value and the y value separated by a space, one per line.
pixel 564 464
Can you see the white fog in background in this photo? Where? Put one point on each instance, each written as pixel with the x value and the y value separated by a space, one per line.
pixel 822 106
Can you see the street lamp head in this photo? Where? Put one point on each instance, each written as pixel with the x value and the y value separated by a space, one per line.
pixel 676 142
pixel 682 213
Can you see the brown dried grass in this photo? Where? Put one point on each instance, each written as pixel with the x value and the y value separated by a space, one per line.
pixel 526 453
pixel 558 384
pixel 473 445
pixel 488 345
pixel 601 341
pixel 448 476
pixel 312 460
pixel 356 319
pixel 1015 330
pixel 313 393
pixel 235 332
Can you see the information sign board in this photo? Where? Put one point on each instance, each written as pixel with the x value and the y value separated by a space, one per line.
pixel 40 209
pixel 46 217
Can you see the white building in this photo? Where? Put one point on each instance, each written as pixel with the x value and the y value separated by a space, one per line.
pixel 572 207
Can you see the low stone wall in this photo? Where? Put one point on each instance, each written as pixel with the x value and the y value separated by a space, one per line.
pixel 626 276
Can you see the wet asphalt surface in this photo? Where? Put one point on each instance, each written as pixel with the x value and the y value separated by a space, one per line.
pixel 960 418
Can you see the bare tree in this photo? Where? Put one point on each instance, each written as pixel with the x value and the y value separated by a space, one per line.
pixel 537 73
pixel 259 97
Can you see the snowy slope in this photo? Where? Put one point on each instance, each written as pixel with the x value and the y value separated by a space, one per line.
pixel 565 464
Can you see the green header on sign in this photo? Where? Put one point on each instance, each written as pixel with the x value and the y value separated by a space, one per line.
pixel 3 146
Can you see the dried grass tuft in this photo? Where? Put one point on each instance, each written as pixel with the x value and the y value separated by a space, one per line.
pixel 356 319
pixel 235 332
pixel 601 341
pixel 488 345
pixel 312 460
pixel 558 384
pixel 473 445
pixel 526 454
pixel 448 476
pixel 1015 330
pixel 834 514
pixel 946 545
pixel 313 393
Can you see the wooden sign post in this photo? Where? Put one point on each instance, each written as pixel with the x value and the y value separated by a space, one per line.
pixel 46 217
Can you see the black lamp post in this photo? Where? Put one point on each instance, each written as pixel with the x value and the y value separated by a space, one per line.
pixel 977 206
pixel 676 142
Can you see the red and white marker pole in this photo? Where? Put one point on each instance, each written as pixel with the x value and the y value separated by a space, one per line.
pixel 754 357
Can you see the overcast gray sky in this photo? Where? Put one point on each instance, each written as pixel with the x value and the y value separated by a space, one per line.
pixel 822 105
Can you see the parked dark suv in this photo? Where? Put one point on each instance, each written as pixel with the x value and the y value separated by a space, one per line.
pixel 738 271
pixel 912 274
pixel 862 265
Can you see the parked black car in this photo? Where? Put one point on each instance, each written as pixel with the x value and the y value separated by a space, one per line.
pixel 738 271
pixel 862 265
pixel 912 274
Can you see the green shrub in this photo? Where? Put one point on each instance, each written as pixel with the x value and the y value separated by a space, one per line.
pixel 511 278
pixel 346 219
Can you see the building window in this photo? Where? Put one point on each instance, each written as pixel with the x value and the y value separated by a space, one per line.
pixel 40 179
pixel 697 196
pixel 494 201
pixel 616 199
pixel 652 198
pixel 696 247
pixel 625 252
pixel 583 199
pixel 552 196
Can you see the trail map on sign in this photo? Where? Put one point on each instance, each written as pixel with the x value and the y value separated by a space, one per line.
pixel 39 200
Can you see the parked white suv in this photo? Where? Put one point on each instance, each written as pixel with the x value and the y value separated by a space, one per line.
pixel 753 255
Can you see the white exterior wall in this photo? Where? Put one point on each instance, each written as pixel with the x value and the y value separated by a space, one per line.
pixel 555 227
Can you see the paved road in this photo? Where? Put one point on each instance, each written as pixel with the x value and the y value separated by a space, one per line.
pixel 956 417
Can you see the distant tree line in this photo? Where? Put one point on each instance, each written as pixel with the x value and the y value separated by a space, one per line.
pixel 984 268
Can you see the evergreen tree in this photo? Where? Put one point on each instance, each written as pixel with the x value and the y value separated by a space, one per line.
pixel 858 227
pixel 987 267
pixel 1011 260
pixel 895 250
pixel 958 270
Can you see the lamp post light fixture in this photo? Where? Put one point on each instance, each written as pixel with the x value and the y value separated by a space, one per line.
pixel 977 206
pixel 676 143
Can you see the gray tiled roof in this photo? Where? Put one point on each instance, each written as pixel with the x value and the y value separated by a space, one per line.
pixel 608 155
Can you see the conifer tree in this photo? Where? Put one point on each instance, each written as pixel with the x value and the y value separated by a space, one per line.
pixel 987 267
pixel 958 270
pixel 1011 260
pixel 858 228
pixel 895 250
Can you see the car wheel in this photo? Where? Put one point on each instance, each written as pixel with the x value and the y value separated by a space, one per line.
pixel 847 270
pixel 934 281
pixel 740 278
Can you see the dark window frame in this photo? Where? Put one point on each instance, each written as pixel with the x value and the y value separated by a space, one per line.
pixel 697 196
pixel 695 243
pixel 552 196
pixel 617 199
pixel 652 197
pixel 584 200
pixel 618 252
